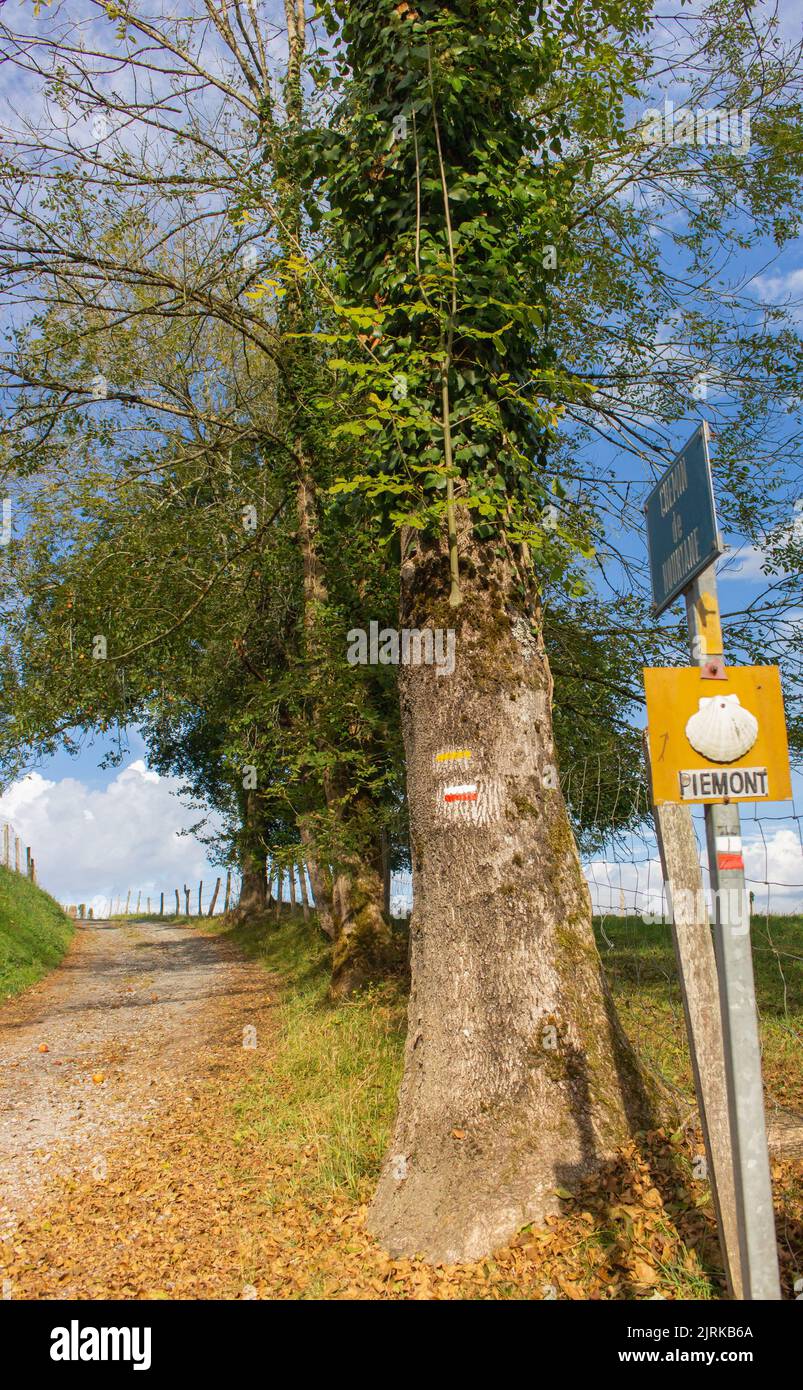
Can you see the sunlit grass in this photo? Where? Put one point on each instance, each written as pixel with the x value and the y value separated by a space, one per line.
pixel 34 933
pixel 328 1096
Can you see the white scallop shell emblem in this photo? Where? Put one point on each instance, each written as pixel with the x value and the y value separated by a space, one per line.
pixel 722 729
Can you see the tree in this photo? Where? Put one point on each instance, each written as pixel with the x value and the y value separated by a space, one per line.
pixel 470 157
pixel 117 249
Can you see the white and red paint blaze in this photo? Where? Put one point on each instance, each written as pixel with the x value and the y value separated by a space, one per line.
pixel 466 792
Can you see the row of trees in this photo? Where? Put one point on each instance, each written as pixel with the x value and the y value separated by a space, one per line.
pixel 315 321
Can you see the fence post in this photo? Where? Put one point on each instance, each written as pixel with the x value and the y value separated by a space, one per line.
pixel 187 898
pixel 178 903
pixel 33 869
pixel 17 843
pixel 162 905
pixel 292 888
pixel 139 900
pixel 227 899
pixel 127 902
pixel 200 898
pixel 211 912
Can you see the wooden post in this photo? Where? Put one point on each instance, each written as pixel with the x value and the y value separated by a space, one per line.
pixel 200 898
pixel 149 907
pixel 227 899
pixel 178 904
pixel 758 1248
pixel 17 853
pixel 187 898
pixel 91 914
pixel 33 869
pixel 139 900
pixel 162 905
pixel 82 911
pixel 211 912
pixel 293 888
pixel 699 989
pixel 302 878
pixel 128 902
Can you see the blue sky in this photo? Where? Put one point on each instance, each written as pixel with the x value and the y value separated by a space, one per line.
pixel 98 832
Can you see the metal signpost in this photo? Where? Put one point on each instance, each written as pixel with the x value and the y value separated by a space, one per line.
pixel 683 544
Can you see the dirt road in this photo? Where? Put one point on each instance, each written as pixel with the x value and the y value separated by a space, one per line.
pixel 128 1021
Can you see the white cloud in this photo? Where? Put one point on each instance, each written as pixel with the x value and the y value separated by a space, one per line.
pixel 773 869
pixel 784 288
pixel 744 563
pixel 93 844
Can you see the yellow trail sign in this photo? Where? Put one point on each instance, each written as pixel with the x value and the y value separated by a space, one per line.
pixel 717 739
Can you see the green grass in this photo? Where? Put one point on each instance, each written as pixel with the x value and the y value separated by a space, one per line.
pixel 639 961
pixel 34 933
pixel 329 1093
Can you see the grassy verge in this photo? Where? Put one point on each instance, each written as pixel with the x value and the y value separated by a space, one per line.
pixel 34 933
pixel 323 1108
pixel 330 1092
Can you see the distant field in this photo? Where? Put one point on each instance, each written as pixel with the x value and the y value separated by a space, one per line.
pixel 34 933
pixel 640 964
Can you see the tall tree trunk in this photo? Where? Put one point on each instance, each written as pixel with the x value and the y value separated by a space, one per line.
pixel 320 881
pixel 360 931
pixel 254 889
pixel 384 845
pixel 302 879
pixel 518 1078
pixel 362 935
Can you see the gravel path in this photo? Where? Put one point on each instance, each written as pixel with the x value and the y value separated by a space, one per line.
pixel 123 1025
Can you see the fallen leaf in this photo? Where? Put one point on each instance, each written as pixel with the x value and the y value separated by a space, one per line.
pixel 644 1272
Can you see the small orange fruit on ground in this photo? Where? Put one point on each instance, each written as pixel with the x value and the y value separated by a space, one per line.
pixel 43 1047
pixel 98 1077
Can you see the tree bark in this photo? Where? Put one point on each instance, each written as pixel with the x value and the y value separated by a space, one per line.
pixel 518 1078
pixel 384 843
pixel 302 879
pixel 320 882
pixel 362 938
pixel 254 889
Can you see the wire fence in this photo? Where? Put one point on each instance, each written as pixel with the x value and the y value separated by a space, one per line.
pixel 625 875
